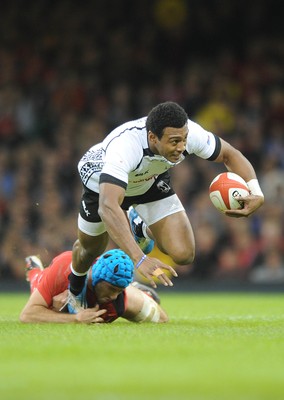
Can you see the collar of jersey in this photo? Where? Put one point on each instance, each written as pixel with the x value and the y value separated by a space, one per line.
pixel 150 154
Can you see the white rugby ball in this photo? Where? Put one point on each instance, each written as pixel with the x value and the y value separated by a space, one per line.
pixel 225 188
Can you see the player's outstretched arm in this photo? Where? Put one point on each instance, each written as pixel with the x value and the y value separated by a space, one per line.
pixel 142 308
pixel 111 197
pixel 37 310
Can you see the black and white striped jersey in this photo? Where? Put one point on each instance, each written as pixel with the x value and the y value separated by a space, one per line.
pixel 124 157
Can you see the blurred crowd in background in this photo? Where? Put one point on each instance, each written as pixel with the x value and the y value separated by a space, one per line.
pixel 71 71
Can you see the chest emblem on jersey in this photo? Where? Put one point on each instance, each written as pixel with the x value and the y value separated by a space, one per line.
pixel 163 187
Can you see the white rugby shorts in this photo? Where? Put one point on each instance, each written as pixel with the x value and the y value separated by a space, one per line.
pixel 151 213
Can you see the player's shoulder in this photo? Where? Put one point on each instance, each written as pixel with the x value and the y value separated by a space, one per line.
pixel 194 127
pixel 130 137
pixel 197 133
pixel 134 126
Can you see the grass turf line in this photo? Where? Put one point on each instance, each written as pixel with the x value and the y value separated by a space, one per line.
pixel 216 346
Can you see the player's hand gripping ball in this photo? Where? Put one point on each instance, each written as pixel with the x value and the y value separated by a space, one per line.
pixel 225 189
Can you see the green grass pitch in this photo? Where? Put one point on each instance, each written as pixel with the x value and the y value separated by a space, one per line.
pixel 216 346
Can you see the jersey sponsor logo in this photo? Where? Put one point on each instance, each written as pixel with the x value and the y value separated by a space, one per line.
pixel 142 173
pixel 142 180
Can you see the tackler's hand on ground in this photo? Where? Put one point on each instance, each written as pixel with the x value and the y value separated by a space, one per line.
pixel 91 315
pixel 152 267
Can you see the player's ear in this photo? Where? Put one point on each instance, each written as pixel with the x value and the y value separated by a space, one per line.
pixel 152 137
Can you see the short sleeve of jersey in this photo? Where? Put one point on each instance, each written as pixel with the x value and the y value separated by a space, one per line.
pixel 122 155
pixel 201 142
pixel 55 277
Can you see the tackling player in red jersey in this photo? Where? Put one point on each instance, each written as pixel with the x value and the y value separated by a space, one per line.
pixel 108 293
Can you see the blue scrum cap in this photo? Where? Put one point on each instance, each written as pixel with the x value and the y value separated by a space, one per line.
pixel 114 267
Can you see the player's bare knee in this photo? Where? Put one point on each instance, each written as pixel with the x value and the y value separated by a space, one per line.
pixel 185 257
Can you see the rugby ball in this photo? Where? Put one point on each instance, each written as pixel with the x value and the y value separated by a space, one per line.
pixel 225 188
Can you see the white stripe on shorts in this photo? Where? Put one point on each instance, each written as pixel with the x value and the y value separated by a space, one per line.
pixel 91 228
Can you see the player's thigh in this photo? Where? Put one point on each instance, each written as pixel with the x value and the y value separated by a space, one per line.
pixel 92 236
pixel 174 236
pixel 93 244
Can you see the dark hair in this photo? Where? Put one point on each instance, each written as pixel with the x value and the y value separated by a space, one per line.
pixel 168 114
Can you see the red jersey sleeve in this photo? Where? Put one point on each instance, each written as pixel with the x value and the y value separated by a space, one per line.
pixel 54 279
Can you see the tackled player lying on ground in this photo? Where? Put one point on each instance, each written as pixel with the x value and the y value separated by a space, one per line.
pixel 109 292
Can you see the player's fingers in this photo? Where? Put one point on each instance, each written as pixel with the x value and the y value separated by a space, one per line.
pixel 101 312
pixel 236 213
pixel 159 273
pixel 171 269
pixel 165 280
pixel 95 310
pixel 151 281
pixel 98 320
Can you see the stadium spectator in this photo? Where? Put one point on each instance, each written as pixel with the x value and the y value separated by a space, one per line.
pixel 109 292
pixel 270 270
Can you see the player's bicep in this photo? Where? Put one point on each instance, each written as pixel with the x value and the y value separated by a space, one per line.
pixel 33 307
pixel 37 299
pixel 111 195
pixel 226 152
